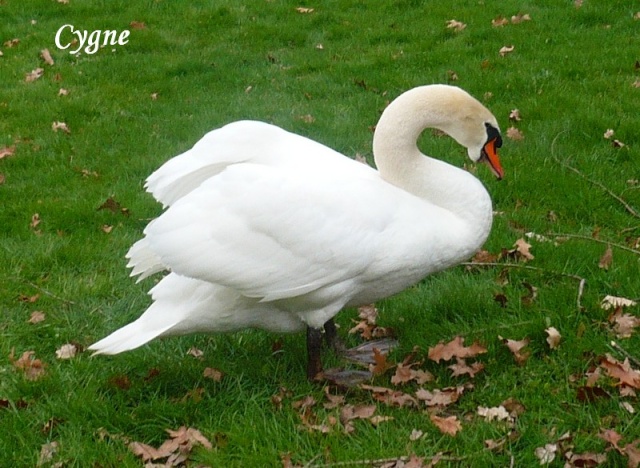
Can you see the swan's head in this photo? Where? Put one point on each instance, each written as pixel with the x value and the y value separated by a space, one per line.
pixel 472 125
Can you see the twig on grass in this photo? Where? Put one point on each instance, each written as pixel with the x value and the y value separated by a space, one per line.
pixel 626 205
pixel 593 239
pixel 48 293
pixel 625 353
pixel 581 285
pixel 382 461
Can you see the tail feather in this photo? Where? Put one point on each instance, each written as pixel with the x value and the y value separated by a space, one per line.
pixel 127 338
pixel 143 261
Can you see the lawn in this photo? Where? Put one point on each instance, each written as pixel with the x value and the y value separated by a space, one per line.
pixel 79 136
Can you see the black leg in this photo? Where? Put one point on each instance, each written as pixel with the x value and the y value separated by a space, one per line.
pixel 314 346
pixel 331 336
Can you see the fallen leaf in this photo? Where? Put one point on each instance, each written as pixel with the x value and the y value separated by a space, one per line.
pixel 415 435
pixel 554 337
pixel 106 228
pixel 504 50
pixel 449 425
pixel 32 368
pixel 523 249
pixel 461 368
pixel 515 115
pixel 195 352
pixel 612 437
pixel 497 413
pixel 36 317
pixel 606 259
pixel 47 452
pixel 376 420
pixel 531 295
pixel 608 133
pixel 12 43
pixel 622 371
pixel 381 364
pixel 499 22
pixel 440 397
pixel 624 324
pixel 63 92
pixel 213 374
pixel 7 151
pixel 154 96
pixel 137 25
pixel 67 351
pixel 55 126
pixel 519 18
pixel 308 118
pixel 516 348
pixel 456 25
pixel 455 348
pixel 514 134
pixel 115 207
pixel 46 56
pixel 34 75
pixel 546 454
pixel 305 10
pixel 613 301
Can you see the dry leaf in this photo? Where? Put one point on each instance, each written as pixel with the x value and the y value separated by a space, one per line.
pixel 213 374
pixel 622 371
pixel 606 259
pixel 195 352
pixel 415 434
pixel 63 92
pixel 154 96
pixel 440 397
pixel 516 348
pixel 55 126
pixel 461 368
pixel 34 75
pixel 36 317
pixel 456 25
pixel 506 50
pixel 523 248
pixel 519 18
pixel 499 22
pixel 66 351
pixel 497 413
pixel 613 301
pixel 308 118
pixel 623 324
pixel 12 43
pixel 304 10
pixel 7 151
pixel 514 134
pixel 47 452
pixel 137 25
pixel 32 368
pixel 455 348
pixel 554 337
pixel 609 133
pixel 449 425
pixel 106 228
pixel 515 115
pixel 46 56
pixel 546 454
pixel 381 364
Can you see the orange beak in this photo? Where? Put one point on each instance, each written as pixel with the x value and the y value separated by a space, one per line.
pixel 490 156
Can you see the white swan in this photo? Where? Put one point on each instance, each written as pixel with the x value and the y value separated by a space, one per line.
pixel 268 229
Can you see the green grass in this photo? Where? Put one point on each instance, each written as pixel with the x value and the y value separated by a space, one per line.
pixel 571 76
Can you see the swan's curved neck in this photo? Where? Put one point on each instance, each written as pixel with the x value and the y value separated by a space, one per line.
pixel 401 163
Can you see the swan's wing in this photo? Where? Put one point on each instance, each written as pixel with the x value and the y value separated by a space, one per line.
pixel 273 233
pixel 237 142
